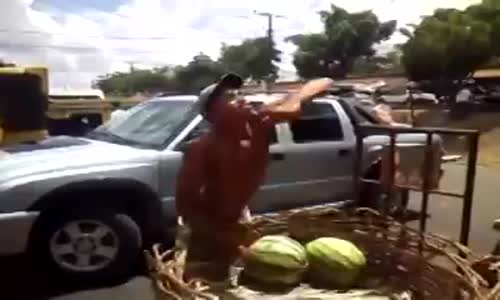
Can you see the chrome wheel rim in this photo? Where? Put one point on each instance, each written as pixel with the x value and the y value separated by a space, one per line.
pixel 84 246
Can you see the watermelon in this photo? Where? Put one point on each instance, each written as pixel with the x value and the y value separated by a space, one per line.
pixel 276 260
pixel 335 262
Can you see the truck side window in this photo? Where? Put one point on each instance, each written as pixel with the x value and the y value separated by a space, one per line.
pixel 204 125
pixel 319 122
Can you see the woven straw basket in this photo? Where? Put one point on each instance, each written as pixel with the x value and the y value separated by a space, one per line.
pixel 402 262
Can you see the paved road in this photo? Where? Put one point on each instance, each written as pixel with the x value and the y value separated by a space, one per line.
pixel 446 212
pixel 19 282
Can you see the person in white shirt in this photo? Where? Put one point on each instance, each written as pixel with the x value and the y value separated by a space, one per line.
pixel 464 95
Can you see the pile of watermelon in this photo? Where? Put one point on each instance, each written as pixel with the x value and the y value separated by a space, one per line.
pixel 332 262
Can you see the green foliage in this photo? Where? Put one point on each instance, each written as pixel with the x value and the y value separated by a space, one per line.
pixel 489 12
pixel 197 74
pixel 133 82
pixel 451 43
pixel 388 63
pixel 310 59
pixel 346 37
pixel 253 58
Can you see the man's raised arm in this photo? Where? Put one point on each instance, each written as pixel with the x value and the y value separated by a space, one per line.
pixel 288 108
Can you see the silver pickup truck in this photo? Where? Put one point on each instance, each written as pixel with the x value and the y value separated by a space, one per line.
pixel 85 207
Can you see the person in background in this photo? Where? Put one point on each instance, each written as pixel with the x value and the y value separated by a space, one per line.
pixel 465 95
pixel 223 169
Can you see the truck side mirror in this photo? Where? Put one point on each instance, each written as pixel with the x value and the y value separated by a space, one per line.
pixel 193 135
pixel 184 146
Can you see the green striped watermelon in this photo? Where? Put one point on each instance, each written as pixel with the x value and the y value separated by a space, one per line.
pixel 334 261
pixel 276 259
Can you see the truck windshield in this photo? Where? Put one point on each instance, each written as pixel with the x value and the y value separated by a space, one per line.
pixel 147 125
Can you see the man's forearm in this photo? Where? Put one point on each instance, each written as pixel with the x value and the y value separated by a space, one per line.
pixel 278 116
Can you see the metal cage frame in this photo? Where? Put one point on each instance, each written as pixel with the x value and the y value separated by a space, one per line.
pixel 467 196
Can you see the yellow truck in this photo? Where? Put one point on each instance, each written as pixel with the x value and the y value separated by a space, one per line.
pixel 23 103
pixel 29 111
pixel 76 111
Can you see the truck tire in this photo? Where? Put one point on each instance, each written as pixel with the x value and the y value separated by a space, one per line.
pixel 86 245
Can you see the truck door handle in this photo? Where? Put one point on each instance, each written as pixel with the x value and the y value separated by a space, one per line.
pixel 344 152
pixel 277 156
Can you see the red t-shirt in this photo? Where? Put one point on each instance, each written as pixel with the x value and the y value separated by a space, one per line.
pixel 224 168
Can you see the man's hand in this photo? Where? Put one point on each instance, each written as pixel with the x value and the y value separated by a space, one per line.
pixel 288 108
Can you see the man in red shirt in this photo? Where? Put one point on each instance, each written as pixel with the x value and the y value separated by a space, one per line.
pixel 223 169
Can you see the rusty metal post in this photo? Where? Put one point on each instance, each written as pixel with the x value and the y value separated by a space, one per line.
pixel 469 188
pixel 412 109
pixel 392 171
pixel 427 171
pixel 358 165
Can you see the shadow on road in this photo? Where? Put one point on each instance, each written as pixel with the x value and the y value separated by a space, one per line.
pixel 22 281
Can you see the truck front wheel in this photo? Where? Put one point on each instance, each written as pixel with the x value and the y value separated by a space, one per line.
pixel 87 244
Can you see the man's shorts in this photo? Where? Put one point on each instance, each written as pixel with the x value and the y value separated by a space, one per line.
pixel 218 250
pixel 185 234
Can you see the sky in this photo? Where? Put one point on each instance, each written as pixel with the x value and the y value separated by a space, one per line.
pixel 81 39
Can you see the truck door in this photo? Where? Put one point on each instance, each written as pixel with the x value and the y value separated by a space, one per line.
pixel 312 164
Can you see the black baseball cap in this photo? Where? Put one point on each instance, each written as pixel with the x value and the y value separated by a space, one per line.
pixel 229 81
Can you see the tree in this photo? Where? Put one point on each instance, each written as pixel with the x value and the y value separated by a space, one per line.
pixel 388 63
pixel 133 82
pixel 311 58
pixel 345 38
pixel 253 58
pixel 450 44
pixel 197 74
pixel 394 60
pixel 4 63
pixel 488 11
pixel 191 78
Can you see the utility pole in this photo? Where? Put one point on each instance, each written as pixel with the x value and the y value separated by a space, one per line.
pixel 131 65
pixel 270 32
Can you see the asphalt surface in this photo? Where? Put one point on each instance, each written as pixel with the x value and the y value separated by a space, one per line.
pixel 20 281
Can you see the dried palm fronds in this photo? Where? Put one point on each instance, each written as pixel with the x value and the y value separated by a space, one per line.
pixel 401 260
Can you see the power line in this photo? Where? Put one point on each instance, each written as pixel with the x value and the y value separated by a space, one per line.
pixel 60 47
pixel 88 36
pixel 79 48
pixel 108 37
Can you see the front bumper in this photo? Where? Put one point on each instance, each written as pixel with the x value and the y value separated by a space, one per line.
pixel 15 229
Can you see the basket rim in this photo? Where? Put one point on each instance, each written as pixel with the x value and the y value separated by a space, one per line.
pixel 159 262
